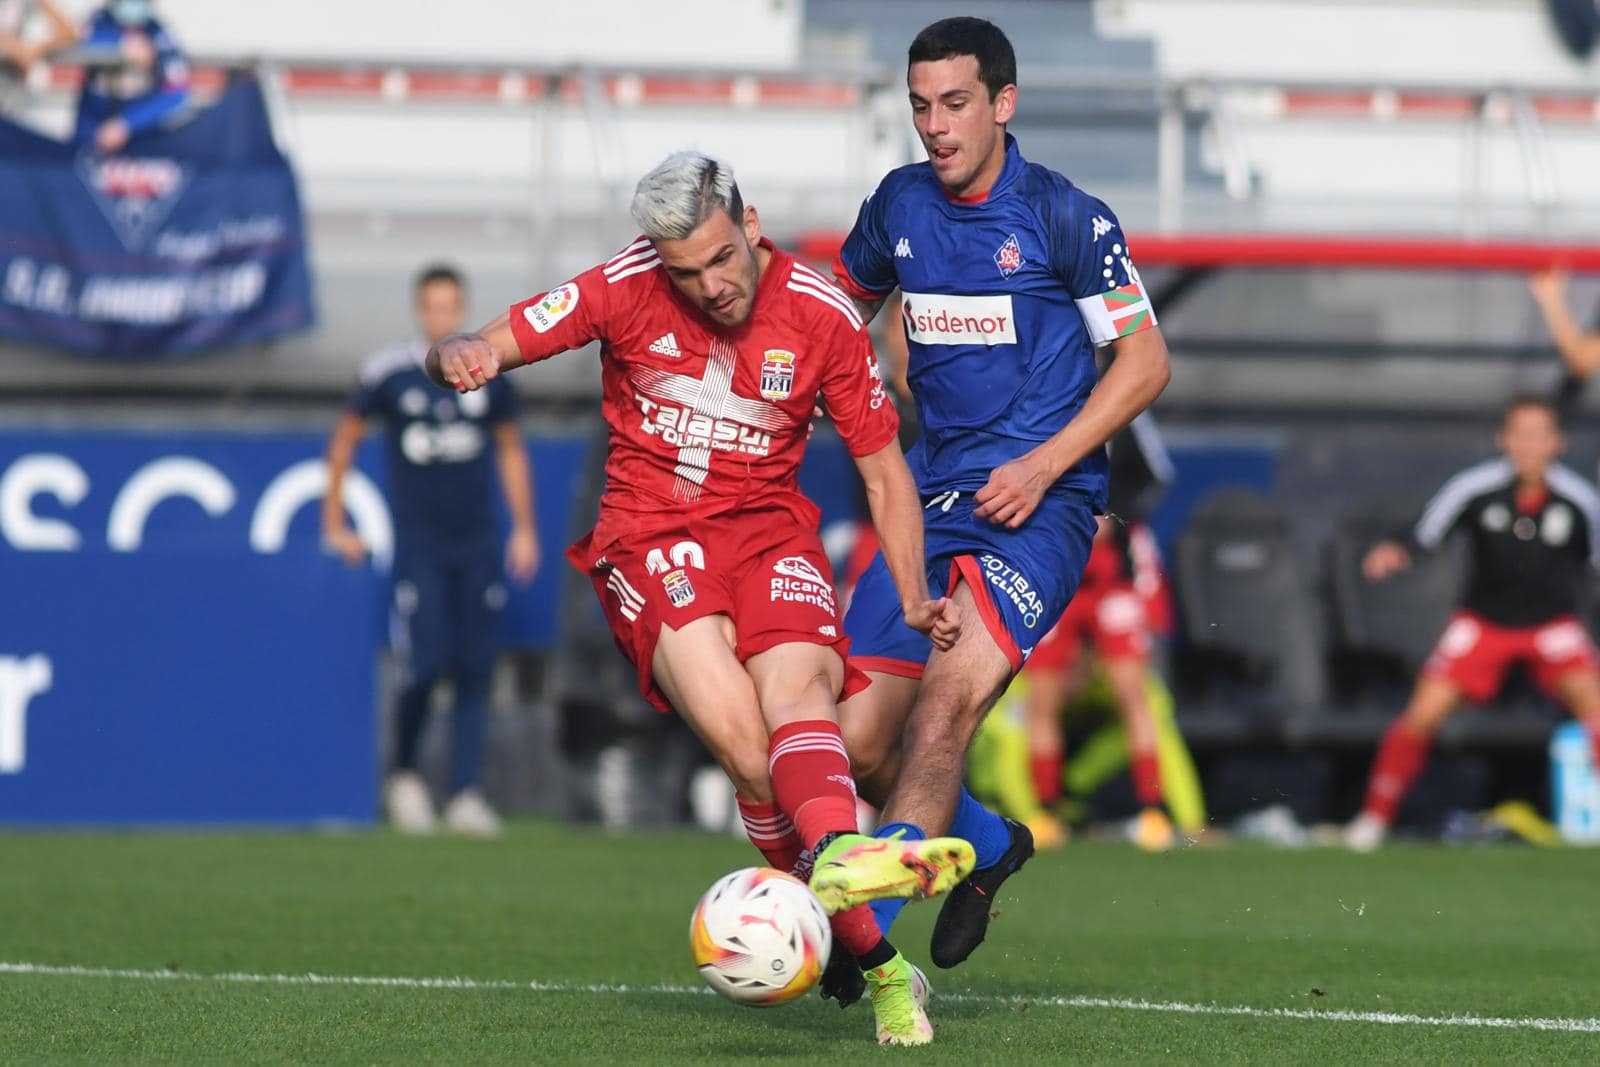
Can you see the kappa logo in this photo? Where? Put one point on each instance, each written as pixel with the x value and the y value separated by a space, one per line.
pixel 556 305
pixel 666 345
pixel 777 374
pixel 136 195
pixel 1008 257
pixel 902 250
pixel 1100 225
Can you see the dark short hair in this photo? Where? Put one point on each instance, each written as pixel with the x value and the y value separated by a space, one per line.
pixel 438 272
pixel 1534 400
pixel 967 36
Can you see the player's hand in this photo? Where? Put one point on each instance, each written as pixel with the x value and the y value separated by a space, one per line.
pixel 467 362
pixel 939 619
pixel 1014 491
pixel 811 427
pixel 346 544
pixel 522 556
pixel 1549 286
pixel 111 137
pixel 1385 559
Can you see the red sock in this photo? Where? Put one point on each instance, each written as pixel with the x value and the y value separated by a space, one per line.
pixel 1146 768
pixel 811 779
pixel 857 930
pixel 1400 760
pixel 771 831
pixel 1046 776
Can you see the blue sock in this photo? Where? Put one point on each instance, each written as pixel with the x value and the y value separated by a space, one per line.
pixel 987 831
pixel 885 911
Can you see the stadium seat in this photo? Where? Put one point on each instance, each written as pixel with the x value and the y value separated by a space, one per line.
pixel 1250 626
pixel 1384 630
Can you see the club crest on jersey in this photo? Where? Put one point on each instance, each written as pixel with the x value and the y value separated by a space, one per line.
pixel 556 305
pixel 679 589
pixel 777 374
pixel 1008 257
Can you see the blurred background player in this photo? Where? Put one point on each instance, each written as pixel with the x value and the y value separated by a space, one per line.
pixel 1010 277
pixel 20 49
pixel 1534 529
pixel 1001 773
pixel 705 556
pixel 143 82
pixel 1108 635
pixel 448 563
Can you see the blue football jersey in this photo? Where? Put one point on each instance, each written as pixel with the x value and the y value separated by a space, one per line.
pixel 1004 301
pixel 437 445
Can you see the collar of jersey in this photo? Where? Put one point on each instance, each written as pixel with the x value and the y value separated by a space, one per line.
pixel 1008 174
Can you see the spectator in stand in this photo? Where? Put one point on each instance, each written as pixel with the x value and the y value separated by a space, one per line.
pixel 18 54
pixel 443 454
pixel 1534 528
pixel 149 85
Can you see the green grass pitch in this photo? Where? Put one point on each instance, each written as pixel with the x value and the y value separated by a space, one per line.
pixel 549 922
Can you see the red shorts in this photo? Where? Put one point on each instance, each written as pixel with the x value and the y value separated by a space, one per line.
pixel 769 575
pixel 1115 619
pixel 1475 654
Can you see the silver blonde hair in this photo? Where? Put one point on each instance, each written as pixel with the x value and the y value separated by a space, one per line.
pixel 681 192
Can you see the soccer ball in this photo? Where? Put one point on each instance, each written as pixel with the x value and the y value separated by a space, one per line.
pixel 760 937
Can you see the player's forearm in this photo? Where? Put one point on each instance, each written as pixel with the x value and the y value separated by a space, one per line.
pixel 1580 351
pixel 867 308
pixel 516 481
pixel 897 518
pixel 1132 382
pixel 341 451
pixel 63 32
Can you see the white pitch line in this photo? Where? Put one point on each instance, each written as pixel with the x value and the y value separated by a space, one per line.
pixel 1167 1007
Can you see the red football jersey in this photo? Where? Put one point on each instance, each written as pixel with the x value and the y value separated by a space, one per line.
pixel 703 418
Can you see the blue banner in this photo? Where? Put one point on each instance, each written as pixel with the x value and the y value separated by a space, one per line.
pixel 176 647
pixel 191 239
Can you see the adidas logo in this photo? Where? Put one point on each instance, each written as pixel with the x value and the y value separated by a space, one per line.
pixel 666 345
pixel 903 249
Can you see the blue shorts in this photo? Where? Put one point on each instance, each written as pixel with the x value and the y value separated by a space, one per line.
pixel 1022 580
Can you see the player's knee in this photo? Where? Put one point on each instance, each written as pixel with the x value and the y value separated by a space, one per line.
pixel 940 721
pixel 1424 719
pixel 747 770
pixel 867 743
pixel 799 695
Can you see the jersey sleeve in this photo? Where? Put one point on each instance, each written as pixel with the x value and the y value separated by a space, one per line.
pixel 854 393
pixel 365 400
pixel 567 317
pixel 865 265
pixel 1092 258
pixel 1442 515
